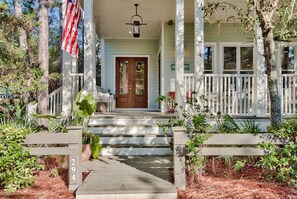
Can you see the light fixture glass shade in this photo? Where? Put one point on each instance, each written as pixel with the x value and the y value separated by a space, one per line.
pixel 136 29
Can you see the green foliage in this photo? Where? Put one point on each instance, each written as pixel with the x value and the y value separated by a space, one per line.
pixel 281 160
pixel 250 126
pixel 55 124
pixel 19 68
pixel 16 164
pixel 83 108
pixel 13 112
pixel 226 124
pixel 239 165
pixel 160 98
pixel 95 146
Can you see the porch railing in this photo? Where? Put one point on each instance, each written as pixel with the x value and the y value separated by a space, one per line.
pixel 235 94
pixel 55 98
pixel 77 83
pixel 55 102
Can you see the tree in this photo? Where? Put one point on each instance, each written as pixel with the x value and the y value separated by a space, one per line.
pixel 277 21
pixel 43 58
pixel 18 69
pixel 22 32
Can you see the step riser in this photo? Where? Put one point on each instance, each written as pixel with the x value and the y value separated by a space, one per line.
pixel 121 121
pixel 129 130
pixel 135 151
pixel 134 140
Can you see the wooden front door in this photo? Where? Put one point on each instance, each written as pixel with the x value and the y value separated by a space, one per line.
pixel 131 82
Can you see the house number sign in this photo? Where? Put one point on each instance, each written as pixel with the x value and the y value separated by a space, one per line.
pixel 73 169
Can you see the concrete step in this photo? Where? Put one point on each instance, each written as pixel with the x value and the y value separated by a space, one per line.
pixel 135 140
pixel 131 135
pixel 111 179
pixel 127 129
pixel 137 151
pixel 126 121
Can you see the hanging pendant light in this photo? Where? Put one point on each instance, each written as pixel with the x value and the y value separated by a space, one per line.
pixel 136 21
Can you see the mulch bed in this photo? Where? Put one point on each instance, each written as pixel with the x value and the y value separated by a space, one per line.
pixel 223 182
pixel 48 185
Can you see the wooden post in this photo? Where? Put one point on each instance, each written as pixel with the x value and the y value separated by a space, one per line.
pixel 179 152
pixel 199 47
pixel 89 48
pixel 66 75
pixel 74 164
pixel 179 51
pixel 261 82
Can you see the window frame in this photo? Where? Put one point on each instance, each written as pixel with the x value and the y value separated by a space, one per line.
pixel 238 46
pixel 281 56
pixel 214 58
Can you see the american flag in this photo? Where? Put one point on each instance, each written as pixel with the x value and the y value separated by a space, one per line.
pixel 70 31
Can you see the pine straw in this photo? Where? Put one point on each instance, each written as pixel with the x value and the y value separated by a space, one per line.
pixel 248 184
pixel 46 186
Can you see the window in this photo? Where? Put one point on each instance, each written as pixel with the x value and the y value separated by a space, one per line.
pixel 237 58
pixel 288 59
pixel 209 58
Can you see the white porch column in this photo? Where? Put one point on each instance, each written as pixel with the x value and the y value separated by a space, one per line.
pixel 179 52
pixel 261 85
pixel 199 47
pixel 68 65
pixel 89 47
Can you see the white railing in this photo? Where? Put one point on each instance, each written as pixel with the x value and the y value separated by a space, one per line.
pixel 235 94
pixel 55 98
pixel 288 91
pixel 55 102
pixel 77 83
pixel 226 93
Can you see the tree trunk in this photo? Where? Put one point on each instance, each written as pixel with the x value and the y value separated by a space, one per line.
pixel 22 38
pixel 22 31
pixel 269 55
pixel 43 59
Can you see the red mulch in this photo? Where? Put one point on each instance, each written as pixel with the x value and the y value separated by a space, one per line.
pixel 47 185
pixel 220 183
pixel 223 182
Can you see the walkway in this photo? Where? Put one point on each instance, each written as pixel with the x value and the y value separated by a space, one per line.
pixel 112 179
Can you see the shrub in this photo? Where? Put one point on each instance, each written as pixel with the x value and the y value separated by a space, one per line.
pixel 16 164
pixel 281 161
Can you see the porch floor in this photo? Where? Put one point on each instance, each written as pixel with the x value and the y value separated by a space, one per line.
pixel 113 177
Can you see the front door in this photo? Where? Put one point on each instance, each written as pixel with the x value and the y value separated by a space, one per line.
pixel 131 82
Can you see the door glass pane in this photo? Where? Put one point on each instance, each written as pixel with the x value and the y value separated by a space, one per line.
pixel 208 58
pixel 229 58
pixel 123 77
pixel 139 77
pixel 246 58
pixel 288 60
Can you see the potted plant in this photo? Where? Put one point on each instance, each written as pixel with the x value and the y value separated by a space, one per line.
pixel 83 108
pixel 162 100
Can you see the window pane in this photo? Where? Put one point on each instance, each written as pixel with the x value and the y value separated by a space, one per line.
pixel 229 58
pixel 208 58
pixel 288 61
pixel 246 58
pixel 124 77
pixel 139 77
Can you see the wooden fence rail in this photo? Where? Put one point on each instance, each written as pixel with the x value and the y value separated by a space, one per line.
pixel 218 145
pixel 74 141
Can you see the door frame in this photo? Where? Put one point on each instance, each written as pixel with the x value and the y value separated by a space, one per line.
pixel 147 75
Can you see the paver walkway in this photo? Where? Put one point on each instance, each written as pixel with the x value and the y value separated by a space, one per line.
pixel 111 179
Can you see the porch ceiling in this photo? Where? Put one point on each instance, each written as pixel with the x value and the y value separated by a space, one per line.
pixel 111 16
